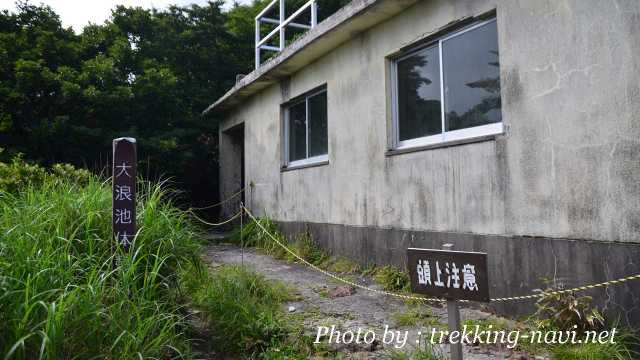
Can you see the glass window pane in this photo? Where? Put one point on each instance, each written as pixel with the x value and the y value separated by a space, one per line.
pixel 419 111
pixel 472 78
pixel 318 125
pixel 298 131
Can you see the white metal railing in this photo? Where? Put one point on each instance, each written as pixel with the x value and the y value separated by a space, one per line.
pixel 261 43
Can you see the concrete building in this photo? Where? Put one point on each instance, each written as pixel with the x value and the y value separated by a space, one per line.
pixel 509 127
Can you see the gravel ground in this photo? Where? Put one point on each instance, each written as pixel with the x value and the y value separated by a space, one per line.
pixel 324 302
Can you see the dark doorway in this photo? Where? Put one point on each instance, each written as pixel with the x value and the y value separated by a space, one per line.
pixel 232 169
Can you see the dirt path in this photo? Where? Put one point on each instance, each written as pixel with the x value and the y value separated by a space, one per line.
pixel 352 309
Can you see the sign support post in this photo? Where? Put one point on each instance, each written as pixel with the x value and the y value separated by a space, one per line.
pixel 124 172
pixel 453 317
pixel 451 275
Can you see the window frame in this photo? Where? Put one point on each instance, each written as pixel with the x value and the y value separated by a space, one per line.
pixel 445 137
pixel 307 161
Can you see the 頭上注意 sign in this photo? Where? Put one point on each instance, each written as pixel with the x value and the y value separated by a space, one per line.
pixel 124 191
pixel 458 275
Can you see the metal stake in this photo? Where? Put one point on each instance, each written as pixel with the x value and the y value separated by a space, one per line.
pixel 241 240
pixel 453 315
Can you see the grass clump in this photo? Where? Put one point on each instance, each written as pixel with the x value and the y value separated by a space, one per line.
pixel 619 350
pixel 568 311
pixel 488 324
pixel 245 309
pixel 425 351
pixel 60 296
pixel 416 315
pixel 252 235
pixel 392 279
pixel 303 244
pixel 306 247
pixel 343 265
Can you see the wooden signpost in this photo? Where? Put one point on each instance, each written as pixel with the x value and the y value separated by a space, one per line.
pixel 124 191
pixel 453 275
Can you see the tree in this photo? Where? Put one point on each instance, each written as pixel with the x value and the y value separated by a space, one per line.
pixel 143 73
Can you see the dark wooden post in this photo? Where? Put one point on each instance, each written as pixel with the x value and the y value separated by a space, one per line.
pixel 124 191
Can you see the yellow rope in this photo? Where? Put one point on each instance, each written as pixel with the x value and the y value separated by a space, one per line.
pixel 220 203
pixel 576 289
pixel 411 297
pixel 214 224
pixel 333 276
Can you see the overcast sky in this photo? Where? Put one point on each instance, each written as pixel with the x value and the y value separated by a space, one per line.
pixel 78 13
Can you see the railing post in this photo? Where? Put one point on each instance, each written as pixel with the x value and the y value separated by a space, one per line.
pixel 282 28
pixel 314 13
pixel 257 42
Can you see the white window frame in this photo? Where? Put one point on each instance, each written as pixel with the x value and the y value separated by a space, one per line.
pixel 307 160
pixel 445 136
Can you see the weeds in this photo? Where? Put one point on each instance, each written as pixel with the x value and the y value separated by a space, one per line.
pixel 343 265
pixel 486 325
pixel 61 296
pixel 392 279
pixel 423 352
pixel 565 310
pixel 619 350
pixel 245 310
pixel 416 315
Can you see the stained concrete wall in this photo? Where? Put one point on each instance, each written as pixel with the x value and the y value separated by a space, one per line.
pixel 567 167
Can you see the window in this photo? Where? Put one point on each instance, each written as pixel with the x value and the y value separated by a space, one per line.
pixel 448 90
pixel 305 128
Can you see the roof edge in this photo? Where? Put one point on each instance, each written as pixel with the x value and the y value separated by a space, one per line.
pixel 353 18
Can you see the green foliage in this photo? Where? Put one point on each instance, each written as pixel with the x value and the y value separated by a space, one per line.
pixel 488 324
pixel 567 311
pixel 18 174
pixel 245 310
pixel 252 235
pixel 71 173
pixel 343 265
pixel 425 352
pixel 620 350
pixel 144 73
pixel 61 296
pixel 416 315
pixel 305 247
pixel 392 279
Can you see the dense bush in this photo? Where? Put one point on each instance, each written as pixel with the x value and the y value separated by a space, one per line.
pixel 60 296
pixel 18 173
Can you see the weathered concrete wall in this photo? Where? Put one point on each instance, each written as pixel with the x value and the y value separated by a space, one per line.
pixel 568 166
pixel 516 264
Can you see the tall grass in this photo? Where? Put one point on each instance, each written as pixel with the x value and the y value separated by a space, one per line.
pixel 243 307
pixel 60 296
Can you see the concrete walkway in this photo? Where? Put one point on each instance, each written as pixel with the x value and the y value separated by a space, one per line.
pixel 323 302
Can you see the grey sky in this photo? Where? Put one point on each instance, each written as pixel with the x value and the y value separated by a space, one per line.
pixel 78 13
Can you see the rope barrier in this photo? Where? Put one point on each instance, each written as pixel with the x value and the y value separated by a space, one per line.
pixel 239 213
pixel 576 289
pixel 333 276
pixel 190 210
pixel 412 297
pixel 220 203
